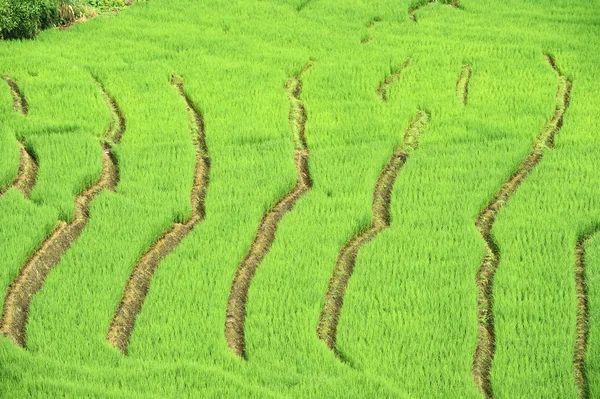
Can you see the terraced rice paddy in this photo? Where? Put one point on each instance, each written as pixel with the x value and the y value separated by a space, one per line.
pixel 303 199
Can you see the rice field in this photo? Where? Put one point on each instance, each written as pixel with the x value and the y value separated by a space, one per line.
pixel 303 198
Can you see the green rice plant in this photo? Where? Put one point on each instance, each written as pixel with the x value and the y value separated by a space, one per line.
pixel 9 158
pixel 409 324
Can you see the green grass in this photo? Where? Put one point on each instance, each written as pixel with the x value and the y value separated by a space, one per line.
pixel 408 326
pixel 9 158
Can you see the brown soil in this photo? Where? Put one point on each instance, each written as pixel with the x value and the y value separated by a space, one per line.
pixel 367 40
pixel 32 275
pixel 369 26
pixel 484 353
pixel 328 322
pixel 117 124
pixel 373 22
pixel 28 167
pixel 265 236
pixel 89 13
pixel 390 80
pixel 137 286
pixel 412 12
pixel 583 318
pixel 27 176
pixel 19 102
pixel 462 84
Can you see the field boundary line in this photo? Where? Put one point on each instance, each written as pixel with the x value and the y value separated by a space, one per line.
pixel 235 318
pixel 370 26
pixel 412 12
pixel 302 5
pixel 484 352
pixel 137 286
pixel 382 195
pixel 33 274
pixel 583 319
pixel 117 125
pixel 20 103
pixel 390 80
pixel 462 83
pixel 28 167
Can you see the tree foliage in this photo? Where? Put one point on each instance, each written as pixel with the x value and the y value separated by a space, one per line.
pixel 23 19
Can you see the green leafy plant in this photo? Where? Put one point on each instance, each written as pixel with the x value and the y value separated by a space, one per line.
pixel 106 3
pixel 20 19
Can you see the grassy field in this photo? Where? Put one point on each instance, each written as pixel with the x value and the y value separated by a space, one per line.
pixel 304 198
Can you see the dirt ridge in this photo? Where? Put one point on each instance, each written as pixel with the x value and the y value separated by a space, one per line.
pixel 370 26
pixel 390 80
pixel 583 319
pixel 20 104
pixel 484 353
pixel 28 167
pixel 302 5
pixel 27 174
pixel 138 284
pixel 117 125
pixel 462 83
pixel 412 12
pixel 236 305
pixel 330 314
pixel 33 274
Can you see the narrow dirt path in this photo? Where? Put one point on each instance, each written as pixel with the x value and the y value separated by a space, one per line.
pixel 28 167
pixel 370 26
pixel 462 84
pixel 238 296
pixel 382 195
pixel 27 174
pixel 136 289
pixel 20 104
pixel 33 274
pixel 117 126
pixel 383 87
pixel 412 12
pixel 583 319
pixel 302 5
pixel 484 353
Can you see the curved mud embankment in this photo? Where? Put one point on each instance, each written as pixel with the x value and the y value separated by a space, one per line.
pixel 334 299
pixel 33 274
pixel 136 289
pixel 462 84
pixel 236 305
pixel 383 87
pixel 28 167
pixel 484 353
